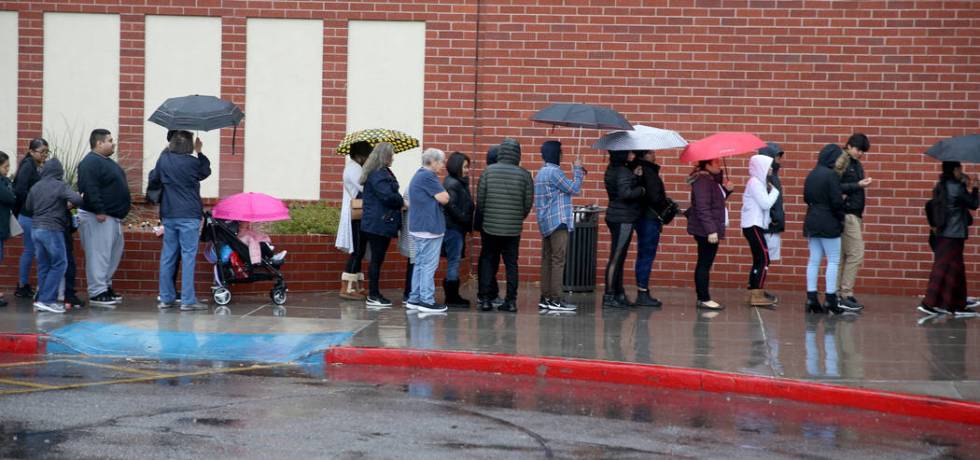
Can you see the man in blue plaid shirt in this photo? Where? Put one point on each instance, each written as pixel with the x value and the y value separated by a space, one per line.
pixel 553 201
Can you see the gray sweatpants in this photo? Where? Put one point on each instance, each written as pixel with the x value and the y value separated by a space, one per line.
pixel 103 245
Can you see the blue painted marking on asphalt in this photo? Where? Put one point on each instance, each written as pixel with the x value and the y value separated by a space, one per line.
pixel 95 338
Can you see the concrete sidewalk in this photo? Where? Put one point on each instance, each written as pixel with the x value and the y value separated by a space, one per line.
pixel 884 348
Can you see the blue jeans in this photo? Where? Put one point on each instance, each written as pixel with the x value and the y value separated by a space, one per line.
pixel 179 235
pixel 647 241
pixel 426 262
pixel 51 263
pixel 26 257
pixel 452 242
pixel 819 247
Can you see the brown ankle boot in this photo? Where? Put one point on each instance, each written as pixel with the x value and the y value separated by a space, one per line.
pixel 757 298
pixel 348 287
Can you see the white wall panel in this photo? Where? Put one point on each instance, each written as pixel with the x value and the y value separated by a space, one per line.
pixel 386 83
pixel 81 78
pixel 183 56
pixel 283 94
pixel 8 84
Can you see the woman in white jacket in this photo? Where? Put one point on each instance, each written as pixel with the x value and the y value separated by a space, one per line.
pixel 349 237
pixel 758 199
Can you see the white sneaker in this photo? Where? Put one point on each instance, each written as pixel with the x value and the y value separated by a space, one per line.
pixel 965 314
pixel 50 308
pixel 431 308
pixel 412 305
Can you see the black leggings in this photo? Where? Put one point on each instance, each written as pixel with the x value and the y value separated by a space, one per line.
pixel 702 274
pixel 622 235
pixel 379 247
pixel 360 245
pixel 760 256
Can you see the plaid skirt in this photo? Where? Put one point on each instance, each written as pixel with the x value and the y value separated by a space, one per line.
pixel 947 281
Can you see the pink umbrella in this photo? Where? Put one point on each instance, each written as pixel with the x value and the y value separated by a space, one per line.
pixel 251 207
pixel 721 145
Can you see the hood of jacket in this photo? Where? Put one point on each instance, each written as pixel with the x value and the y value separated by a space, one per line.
pixel 759 167
pixel 551 152
pixel 703 173
pixel 619 157
pixel 454 166
pixel 829 155
pixel 509 152
pixel 52 169
pixel 492 154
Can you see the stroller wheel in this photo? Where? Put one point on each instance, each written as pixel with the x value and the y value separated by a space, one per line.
pixel 222 296
pixel 222 311
pixel 278 295
pixel 279 311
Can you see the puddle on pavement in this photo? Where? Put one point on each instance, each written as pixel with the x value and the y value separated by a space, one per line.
pixel 17 442
pixel 219 422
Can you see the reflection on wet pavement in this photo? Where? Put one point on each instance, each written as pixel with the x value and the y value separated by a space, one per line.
pixel 884 348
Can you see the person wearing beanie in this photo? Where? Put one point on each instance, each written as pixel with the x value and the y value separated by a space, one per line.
pixel 955 195
pixel 625 193
pixel 504 198
pixel 553 193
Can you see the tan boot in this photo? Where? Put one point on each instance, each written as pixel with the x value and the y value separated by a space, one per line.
pixel 348 287
pixel 360 285
pixel 757 298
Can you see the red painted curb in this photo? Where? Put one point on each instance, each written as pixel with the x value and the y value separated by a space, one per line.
pixel 663 377
pixel 22 344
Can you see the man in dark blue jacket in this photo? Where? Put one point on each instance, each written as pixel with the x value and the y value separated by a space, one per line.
pixel 106 202
pixel 180 173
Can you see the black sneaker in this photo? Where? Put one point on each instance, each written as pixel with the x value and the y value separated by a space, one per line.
pixel 486 305
pixel 544 302
pixel 24 291
pixel 379 301
pixel 558 305
pixel 508 306
pixel 613 301
pixel 925 309
pixel 431 307
pixel 850 304
pixel 497 302
pixel 73 302
pixel 643 299
pixel 114 295
pixel 103 300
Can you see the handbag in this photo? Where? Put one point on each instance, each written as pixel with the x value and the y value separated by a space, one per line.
pixel 669 213
pixel 15 228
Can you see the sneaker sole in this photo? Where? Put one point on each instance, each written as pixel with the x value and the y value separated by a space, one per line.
pixel 411 306
pixel 431 310
pixel 926 311
pixel 47 309
pixel 560 308
pixel 377 304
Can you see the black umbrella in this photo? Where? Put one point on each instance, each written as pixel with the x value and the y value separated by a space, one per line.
pixel 964 148
pixel 582 116
pixel 198 113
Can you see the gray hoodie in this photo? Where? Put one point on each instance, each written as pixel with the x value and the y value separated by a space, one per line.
pixel 49 197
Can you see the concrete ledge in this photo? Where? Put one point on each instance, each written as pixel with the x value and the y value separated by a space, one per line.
pixel 663 377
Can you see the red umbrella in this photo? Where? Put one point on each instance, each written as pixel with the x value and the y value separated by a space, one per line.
pixel 721 145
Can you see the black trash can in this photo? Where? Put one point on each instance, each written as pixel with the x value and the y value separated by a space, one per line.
pixel 583 243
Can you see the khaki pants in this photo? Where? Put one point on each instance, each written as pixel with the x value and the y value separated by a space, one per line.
pixel 851 255
pixel 553 263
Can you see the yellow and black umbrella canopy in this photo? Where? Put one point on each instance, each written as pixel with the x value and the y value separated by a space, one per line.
pixel 400 140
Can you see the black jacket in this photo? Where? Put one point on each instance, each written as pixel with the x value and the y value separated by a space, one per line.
pixel 626 194
pixel 7 201
pixel 777 212
pixel 959 202
pixel 852 174
pixel 822 193
pixel 103 185
pixel 459 210
pixel 28 174
pixel 655 198
pixel 180 175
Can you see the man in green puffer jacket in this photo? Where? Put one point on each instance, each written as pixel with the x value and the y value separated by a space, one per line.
pixel 504 198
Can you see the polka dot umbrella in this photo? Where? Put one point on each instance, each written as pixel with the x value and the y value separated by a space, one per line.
pixel 398 139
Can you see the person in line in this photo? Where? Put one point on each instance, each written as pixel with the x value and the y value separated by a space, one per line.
pixel 28 173
pixel 707 219
pixel 822 227
pixel 777 214
pixel 459 222
pixel 8 199
pixel 649 225
pixel 46 203
pixel 493 289
pixel 853 184
pixel 181 212
pixel 349 232
pixel 553 193
pixel 382 215
pixel 757 202
pixel 426 226
pixel 504 196
pixel 626 193
pixel 106 203
pixel 955 195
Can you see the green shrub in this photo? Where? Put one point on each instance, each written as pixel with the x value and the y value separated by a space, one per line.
pixel 309 218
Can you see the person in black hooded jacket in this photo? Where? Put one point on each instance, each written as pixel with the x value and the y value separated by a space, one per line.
pixel 822 227
pixel 459 222
pixel 648 226
pixel 28 174
pixel 946 291
pixel 626 195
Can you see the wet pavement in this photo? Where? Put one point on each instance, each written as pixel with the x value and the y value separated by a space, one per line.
pixel 124 408
pixel 884 348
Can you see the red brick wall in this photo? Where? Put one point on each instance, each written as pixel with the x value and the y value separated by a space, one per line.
pixel 801 73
